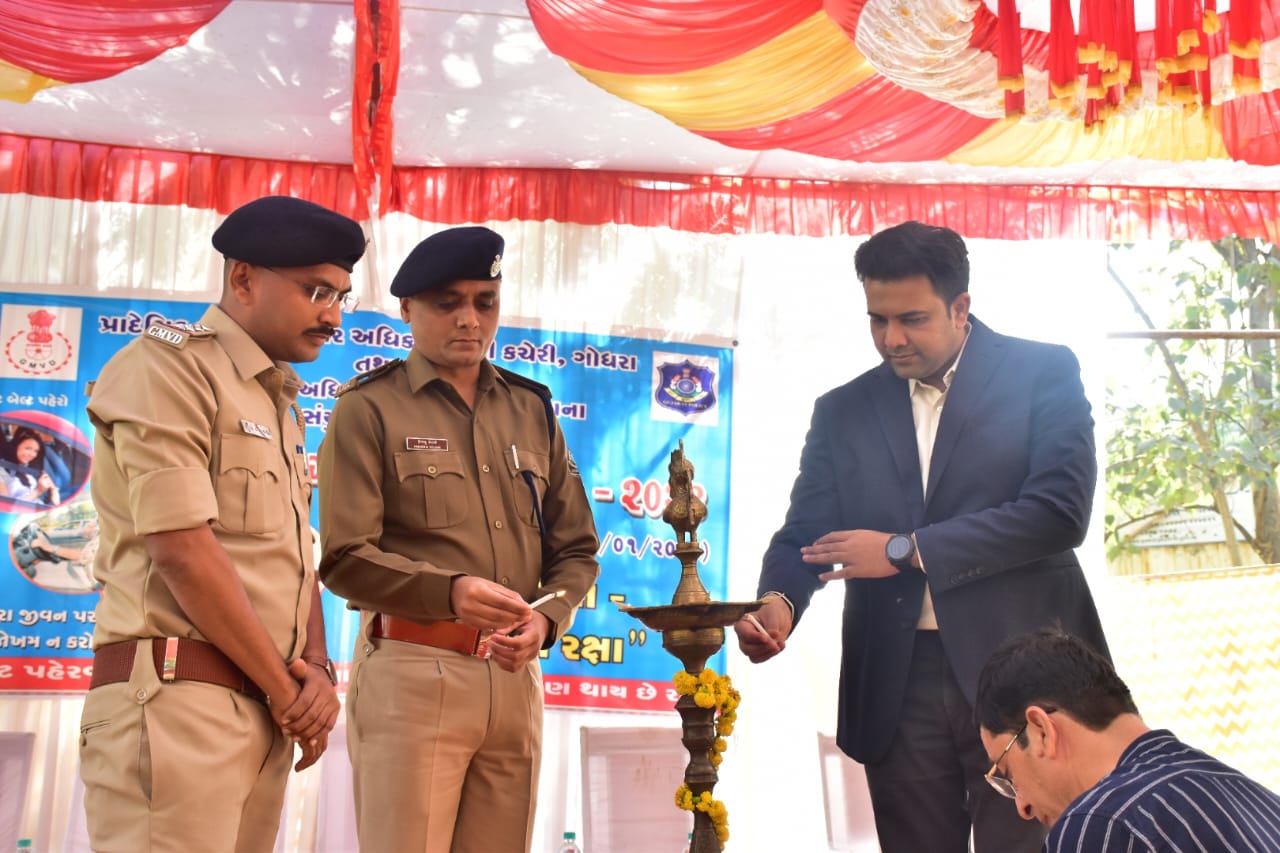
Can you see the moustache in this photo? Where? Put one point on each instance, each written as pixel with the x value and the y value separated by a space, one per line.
pixel 327 331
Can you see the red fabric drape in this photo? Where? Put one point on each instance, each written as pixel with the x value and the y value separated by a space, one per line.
pixel 63 40
pixel 710 204
pixel 659 37
pixel 1251 127
pixel 645 42
pixel 894 125
pixel 1009 58
pixel 377 72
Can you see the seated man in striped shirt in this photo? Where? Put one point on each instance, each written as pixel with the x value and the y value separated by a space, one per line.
pixel 1067 745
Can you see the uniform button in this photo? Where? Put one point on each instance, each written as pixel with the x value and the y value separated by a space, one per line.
pixel 141 694
pixel 367 648
pixel 498 524
pixel 431 469
pixel 484 468
pixel 506 581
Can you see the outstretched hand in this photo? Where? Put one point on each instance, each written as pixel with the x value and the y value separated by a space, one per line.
pixel 858 553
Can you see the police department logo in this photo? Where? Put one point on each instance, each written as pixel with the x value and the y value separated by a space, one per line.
pixel 685 387
pixel 37 349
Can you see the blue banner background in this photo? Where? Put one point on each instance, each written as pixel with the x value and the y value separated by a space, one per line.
pixel 624 404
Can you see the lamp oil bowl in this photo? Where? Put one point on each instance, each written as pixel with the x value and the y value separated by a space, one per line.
pixel 692 628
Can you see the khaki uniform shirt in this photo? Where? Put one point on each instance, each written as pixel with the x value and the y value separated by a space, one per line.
pixel 199 428
pixel 416 488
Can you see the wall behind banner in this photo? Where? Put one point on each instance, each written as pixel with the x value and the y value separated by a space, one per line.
pixel 623 402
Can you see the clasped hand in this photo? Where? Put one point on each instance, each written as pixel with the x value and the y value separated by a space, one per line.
pixel 312 714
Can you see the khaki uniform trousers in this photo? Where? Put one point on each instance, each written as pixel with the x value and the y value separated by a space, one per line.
pixel 445 750
pixel 181 766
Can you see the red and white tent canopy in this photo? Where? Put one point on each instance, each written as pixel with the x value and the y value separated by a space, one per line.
pixel 802 116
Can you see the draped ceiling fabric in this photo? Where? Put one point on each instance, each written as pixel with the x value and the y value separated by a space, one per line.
pixel 910 80
pixel 708 204
pixel 46 43
pixel 902 82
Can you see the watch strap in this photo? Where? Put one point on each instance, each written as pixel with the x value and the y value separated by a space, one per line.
pixel 326 665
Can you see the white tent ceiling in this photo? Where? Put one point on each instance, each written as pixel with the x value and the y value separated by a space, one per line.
pixel 273 79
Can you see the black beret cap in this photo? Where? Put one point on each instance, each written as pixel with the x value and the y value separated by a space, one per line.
pixel 468 253
pixel 280 231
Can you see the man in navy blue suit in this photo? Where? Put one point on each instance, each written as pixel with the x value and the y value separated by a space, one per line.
pixel 947 487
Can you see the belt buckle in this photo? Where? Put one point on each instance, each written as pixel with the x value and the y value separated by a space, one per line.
pixel 169 669
pixel 482 645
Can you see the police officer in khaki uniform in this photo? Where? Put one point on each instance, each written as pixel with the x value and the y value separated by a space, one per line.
pixel 449 500
pixel 210 659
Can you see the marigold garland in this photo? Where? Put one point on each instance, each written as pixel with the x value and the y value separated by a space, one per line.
pixel 710 690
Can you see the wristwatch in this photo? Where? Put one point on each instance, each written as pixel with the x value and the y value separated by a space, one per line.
pixel 328 667
pixel 899 550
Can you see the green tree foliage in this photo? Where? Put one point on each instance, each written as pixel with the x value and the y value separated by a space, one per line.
pixel 1210 428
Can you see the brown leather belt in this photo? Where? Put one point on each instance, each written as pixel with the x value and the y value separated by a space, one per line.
pixel 453 636
pixel 192 661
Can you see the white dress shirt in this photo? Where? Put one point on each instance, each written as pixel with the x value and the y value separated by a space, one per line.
pixel 926 410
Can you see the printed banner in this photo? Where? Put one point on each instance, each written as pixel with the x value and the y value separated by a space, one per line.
pixel 624 403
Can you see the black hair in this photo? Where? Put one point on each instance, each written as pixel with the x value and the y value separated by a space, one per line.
pixel 914 248
pixel 1052 669
pixel 21 434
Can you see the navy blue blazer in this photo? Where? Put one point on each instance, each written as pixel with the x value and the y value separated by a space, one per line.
pixel 1011 485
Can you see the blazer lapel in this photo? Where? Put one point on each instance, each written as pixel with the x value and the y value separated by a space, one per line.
pixel 893 413
pixel 978 363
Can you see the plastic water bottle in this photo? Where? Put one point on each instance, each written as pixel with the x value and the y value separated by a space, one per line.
pixel 688 845
pixel 570 844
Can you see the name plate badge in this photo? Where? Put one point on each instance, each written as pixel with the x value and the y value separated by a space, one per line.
pixel 415 443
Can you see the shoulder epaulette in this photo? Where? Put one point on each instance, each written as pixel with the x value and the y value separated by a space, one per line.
pixel 176 333
pixel 368 376
pixel 536 387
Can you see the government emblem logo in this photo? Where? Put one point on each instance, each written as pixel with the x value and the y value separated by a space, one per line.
pixel 36 343
pixel 685 387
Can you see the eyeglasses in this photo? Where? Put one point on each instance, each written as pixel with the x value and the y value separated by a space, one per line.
pixel 1002 783
pixel 323 294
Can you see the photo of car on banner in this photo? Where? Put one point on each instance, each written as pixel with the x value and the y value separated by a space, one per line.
pixel 44 458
